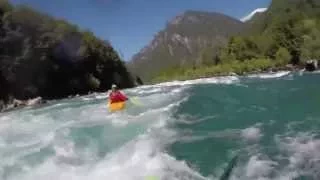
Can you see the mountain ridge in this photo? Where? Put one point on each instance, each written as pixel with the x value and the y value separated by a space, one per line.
pixel 181 41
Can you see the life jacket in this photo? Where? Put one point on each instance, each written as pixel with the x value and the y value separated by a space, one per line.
pixel 117 96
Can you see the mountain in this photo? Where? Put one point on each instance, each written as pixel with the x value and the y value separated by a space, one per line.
pixel 254 13
pixel 199 44
pixel 51 58
pixel 183 41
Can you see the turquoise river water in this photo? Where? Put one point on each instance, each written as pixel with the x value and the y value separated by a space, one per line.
pixel 182 130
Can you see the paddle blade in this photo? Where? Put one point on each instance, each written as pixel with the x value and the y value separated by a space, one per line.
pixel 135 101
pixel 151 178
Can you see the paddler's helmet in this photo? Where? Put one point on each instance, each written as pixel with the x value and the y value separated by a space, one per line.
pixel 114 86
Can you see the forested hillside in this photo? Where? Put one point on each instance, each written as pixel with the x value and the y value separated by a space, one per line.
pixel 289 32
pixel 51 58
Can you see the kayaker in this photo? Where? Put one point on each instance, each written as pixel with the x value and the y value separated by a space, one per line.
pixel 116 96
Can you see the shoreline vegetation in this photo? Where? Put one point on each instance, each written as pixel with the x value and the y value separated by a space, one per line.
pixel 38 101
pixel 182 77
pixel 232 68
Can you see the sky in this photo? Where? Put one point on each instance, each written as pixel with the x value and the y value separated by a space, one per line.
pixel 131 24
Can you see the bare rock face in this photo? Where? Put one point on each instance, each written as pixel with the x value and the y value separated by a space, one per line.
pixel 182 41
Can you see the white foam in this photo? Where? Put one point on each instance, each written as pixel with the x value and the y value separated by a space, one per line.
pixel 316 72
pixel 304 152
pixel 251 134
pixel 258 168
pixel 211 80
pixel 86 98
pixel 101 96
pixel 186 120
pixel 149 91
pixel 144 155
pixel 141 157
pixel 135 140
pixel 270 75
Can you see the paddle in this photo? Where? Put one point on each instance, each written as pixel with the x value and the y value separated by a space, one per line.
pixel 151 178
pixel 135 101
pixel 227 173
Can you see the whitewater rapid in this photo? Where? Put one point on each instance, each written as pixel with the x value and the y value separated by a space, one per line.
pixel 39 143
pixel 79 139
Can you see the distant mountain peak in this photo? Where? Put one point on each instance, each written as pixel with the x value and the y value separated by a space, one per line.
pixel 249 16
pixel 182 42
pixel 177 20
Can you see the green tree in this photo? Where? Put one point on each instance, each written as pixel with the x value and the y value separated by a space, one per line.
pixel 283 56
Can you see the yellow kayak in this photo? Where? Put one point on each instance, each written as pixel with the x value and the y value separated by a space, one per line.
pixel 116 106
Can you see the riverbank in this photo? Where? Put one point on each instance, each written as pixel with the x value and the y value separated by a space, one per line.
pixel 15 104
pixel 233 68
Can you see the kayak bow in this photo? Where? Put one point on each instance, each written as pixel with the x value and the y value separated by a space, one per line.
pixel 116 106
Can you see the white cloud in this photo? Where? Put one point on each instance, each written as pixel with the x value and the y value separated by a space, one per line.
pixel 249 16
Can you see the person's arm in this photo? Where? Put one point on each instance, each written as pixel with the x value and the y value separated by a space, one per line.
pixel 123 96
